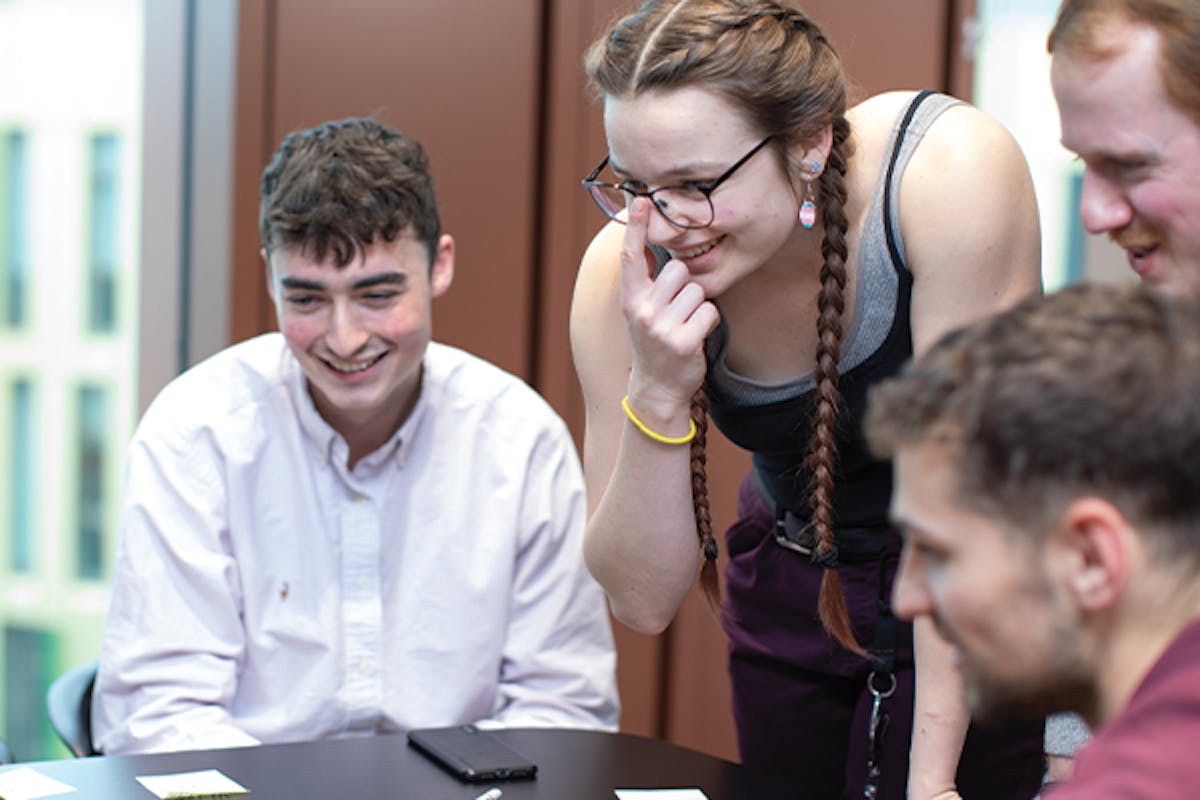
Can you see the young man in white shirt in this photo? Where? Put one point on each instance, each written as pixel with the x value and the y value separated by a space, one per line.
pixel 345 528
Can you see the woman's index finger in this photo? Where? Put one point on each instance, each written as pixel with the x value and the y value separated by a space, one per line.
pixel 637 266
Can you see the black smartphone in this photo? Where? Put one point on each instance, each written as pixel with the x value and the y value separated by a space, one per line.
pixel 472 754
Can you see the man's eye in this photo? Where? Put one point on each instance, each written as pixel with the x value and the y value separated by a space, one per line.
pixel 303 300
pixel 932 555
pixel 380 297
pixel 1126 169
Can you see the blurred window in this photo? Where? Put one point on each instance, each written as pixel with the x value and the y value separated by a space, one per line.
pixel 103 232
pixel 13 230
pixel 21 457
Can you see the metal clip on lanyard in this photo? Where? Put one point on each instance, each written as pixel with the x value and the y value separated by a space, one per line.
pixel 875 732
pixel 881 683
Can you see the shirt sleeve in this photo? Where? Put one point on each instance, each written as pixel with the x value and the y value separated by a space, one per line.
pixel 559 662
pixel 173 638
pixel 1065 734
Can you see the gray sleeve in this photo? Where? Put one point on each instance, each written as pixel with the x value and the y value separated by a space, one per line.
pixel 1065 734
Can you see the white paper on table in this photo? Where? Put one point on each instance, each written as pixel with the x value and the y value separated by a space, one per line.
pixel 203 783
pixel 660 794
pixel 26 783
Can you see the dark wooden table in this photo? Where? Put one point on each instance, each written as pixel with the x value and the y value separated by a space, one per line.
pixel 572 765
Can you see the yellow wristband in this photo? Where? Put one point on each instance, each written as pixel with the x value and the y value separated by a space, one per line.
pixel 658 437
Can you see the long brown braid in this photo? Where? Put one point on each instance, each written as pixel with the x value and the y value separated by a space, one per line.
pixel 822 446
pixel 709 580
pixel 771 61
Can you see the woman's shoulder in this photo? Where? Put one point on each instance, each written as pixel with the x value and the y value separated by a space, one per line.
pixel 605 246
pixel 597 284
pixel 874 118
pixel 600 267
pixel 960 137
pixel 879 112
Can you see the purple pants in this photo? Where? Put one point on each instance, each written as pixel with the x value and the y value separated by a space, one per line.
pixel 800 700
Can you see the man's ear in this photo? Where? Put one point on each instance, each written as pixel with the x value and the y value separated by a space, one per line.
pixel 441 272
pixel 1098 546
pixel 262 251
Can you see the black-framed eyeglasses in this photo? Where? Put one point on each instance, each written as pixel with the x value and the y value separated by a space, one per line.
pixel 684 205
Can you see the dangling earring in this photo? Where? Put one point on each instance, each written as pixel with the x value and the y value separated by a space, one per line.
pixel 808 209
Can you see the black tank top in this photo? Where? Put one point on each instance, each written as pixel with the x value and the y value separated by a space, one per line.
pixel 772 421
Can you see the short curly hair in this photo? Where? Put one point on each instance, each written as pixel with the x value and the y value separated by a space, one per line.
pixel 336 188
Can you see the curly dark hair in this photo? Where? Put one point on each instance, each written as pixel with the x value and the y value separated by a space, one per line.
pixel 333 189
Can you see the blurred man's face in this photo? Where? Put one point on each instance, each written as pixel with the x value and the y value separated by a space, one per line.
pixel 987 588
pixel 1141 157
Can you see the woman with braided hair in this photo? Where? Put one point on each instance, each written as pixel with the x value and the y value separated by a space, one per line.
pixel 771 255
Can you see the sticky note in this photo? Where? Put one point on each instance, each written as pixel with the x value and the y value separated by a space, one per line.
pixel 206 783
pixel 660 794
pixel 26 783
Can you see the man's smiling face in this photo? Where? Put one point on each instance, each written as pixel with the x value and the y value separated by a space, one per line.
pixel 1141 156
pixel 360 331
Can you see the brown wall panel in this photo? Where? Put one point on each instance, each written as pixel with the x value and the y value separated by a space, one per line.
pixel 250 311
pixel 574 137
pixel 464 81
pixel 960 48
pixel 886 45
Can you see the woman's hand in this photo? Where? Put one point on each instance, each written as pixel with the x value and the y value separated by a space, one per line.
pixel 668 319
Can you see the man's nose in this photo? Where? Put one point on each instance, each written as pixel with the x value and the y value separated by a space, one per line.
pixel 910 596
pixel 346 334
pixel 1103 206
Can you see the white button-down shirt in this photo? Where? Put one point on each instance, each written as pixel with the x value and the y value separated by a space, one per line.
pixel 264 592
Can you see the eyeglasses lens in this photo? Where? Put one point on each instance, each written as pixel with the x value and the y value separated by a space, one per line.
pixel 683 206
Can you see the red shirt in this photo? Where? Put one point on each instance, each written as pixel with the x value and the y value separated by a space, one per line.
pixel 1151 750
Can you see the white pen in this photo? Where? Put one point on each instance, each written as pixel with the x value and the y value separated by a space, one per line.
pixel 491 794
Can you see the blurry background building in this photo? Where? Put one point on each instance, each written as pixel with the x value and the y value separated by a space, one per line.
pixel 70 160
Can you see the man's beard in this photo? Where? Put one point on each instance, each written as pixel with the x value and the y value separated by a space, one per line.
pixel 1063 682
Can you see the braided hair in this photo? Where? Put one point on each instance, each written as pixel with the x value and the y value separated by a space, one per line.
pixel 769 59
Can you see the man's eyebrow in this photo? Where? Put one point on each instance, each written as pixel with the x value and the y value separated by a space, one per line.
pixel 902 524
pixel 1118 152
pixel 383 278
pixel 301 283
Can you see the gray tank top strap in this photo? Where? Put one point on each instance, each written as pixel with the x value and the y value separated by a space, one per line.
pixel 924 109
pixel 881 253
